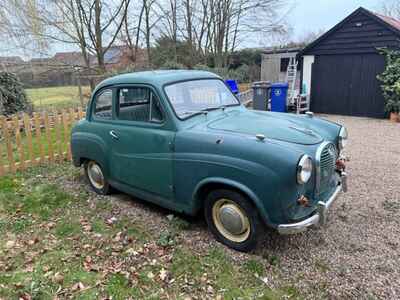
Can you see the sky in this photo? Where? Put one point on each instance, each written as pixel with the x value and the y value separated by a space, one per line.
pixel 312 15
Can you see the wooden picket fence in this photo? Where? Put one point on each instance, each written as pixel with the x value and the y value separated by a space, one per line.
pixel 27 141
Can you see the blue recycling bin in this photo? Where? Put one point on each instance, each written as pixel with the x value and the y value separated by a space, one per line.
pixel 232 85
pixel 278 96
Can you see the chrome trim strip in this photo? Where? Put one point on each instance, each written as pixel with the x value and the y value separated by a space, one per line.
pixel 318 219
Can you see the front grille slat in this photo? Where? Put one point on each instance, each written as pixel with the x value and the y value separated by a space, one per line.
pixel 327 155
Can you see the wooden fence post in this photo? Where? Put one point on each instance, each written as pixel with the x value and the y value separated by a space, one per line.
pixel 19 143
pixel 66 134
pixel 2 171
pixel 80 113
pixel 38 131
pixel 48 137
pixel 58 136
pixel 7 140
pixel 28 133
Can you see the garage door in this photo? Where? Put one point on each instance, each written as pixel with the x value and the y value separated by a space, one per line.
pixel 347 85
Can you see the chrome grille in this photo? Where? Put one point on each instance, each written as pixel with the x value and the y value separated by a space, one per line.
pixel 326 160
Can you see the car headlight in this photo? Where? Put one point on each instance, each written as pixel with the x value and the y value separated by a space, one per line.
pixel 304 169
pixel 342 138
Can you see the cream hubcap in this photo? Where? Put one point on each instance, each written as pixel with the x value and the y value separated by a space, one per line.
pixel 230 220
pixel 95 175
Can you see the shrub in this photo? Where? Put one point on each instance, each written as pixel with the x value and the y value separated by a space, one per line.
pixel 390 79
pixel 13 98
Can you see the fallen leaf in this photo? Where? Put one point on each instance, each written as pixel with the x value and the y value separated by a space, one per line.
pixel 19 285
pixel 265 280
pixel 87 227
pixel 29 269
pixel 118 237
pixel 33 241
pixel 10 244
pixel 25 296
pixel 163 274
pixel 51 225
pixel 131 251
pixel 46 269
pixel 78 286
pixel 111 221
pixel 58 278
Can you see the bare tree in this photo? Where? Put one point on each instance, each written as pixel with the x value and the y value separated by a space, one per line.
pixel 98 17
pixel 90 25
pixel 391 8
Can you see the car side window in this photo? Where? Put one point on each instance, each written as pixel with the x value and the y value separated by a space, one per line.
pixel 138 104
pixel 103 105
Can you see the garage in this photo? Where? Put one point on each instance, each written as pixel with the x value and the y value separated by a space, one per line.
pixel 339 69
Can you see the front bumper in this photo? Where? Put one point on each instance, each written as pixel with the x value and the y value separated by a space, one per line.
pixel 320 217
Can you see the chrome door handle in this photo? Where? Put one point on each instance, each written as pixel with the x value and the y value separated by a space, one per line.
pixel 114 135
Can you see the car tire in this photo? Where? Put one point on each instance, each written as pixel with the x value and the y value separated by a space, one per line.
pixel 233 219
pixel 97 180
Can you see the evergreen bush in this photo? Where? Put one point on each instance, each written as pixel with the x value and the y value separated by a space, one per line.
pixel 13 98
pixel 390 79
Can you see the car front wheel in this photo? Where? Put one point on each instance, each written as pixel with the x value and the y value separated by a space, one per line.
pixel 233 219
pixel 95 175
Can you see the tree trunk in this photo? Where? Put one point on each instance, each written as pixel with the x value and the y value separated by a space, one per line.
pixel 99 37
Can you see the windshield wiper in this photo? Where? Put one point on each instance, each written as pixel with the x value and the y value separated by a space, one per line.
pixel 194 112
pixel 205 110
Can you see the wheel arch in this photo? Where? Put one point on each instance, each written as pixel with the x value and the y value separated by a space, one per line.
pixel 207 185
pixel 86 146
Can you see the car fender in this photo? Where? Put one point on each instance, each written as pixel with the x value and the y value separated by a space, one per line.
pixel 234 184
pixel 89 146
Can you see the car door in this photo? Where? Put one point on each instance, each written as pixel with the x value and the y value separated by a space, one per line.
pixel 101 120
pixel 142 143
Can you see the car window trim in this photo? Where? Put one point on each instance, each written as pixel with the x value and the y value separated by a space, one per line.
pixel 93 105
pixel 195 79
pixel 138 85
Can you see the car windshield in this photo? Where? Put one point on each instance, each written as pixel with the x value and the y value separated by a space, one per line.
pixel 198 96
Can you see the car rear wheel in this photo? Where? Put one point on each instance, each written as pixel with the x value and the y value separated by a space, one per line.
pixel 95 175
pixel 233 219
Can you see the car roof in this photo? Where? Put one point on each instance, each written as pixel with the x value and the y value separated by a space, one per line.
pixel 157 78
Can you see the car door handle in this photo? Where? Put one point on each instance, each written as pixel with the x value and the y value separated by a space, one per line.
pixel 114 135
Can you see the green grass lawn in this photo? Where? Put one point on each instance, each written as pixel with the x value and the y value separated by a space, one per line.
pixel 56 97
pixel 56 242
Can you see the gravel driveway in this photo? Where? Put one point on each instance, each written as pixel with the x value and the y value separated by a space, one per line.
pixel 357 255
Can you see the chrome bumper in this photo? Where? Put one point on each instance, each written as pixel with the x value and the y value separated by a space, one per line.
pixel 319 218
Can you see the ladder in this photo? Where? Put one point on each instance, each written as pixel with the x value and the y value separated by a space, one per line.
pixel 291 74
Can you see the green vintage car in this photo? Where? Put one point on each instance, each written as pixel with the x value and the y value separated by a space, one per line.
pixel 182 140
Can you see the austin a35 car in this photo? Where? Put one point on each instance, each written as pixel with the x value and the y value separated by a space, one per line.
pixel 182 140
